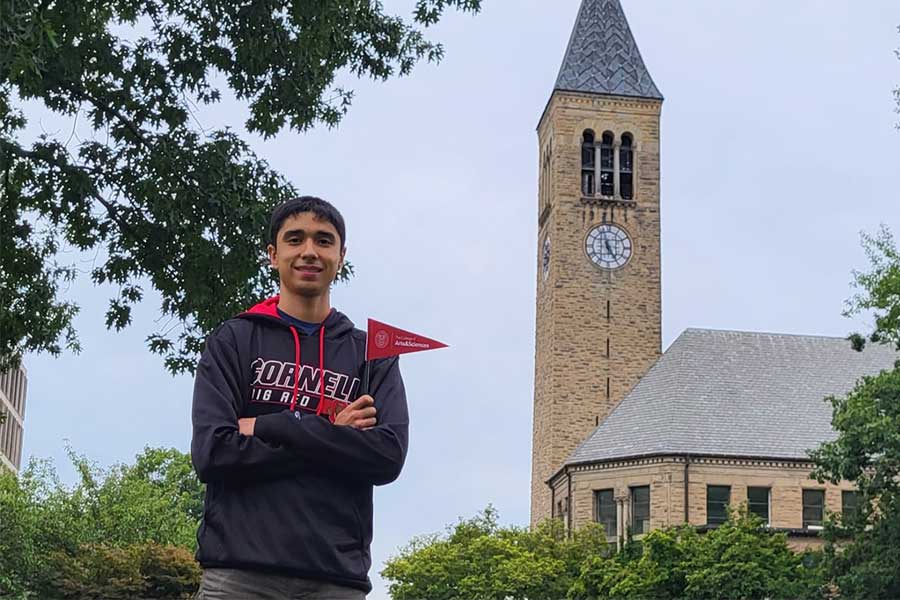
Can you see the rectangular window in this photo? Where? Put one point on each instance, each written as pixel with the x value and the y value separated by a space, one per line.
pixel 587 183
pixel 607 165
pixel 606 157
pixel 17 445
pixel 606 511
pixel 758 502
pixel 587 156
pixel 718 497
pixel 17 390
pixel 849 504
pixel 627 185
pixel 606 183
pixel 640 510
pixel 626 174
pixel 813 509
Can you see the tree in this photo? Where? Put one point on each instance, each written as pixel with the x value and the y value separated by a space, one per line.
pixel 129 525
pixel 159 200
pixel 739 559
pixel 479 560
pixel 744 559
pixel 867 448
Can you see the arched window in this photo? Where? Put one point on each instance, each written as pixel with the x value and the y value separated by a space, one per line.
pixel 546 173
pixel 606 164
pixel 587 163
pixel 626 167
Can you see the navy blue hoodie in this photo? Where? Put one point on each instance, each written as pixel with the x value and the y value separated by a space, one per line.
pixel 296 497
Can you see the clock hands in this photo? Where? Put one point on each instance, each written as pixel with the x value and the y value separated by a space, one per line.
pixel 608 246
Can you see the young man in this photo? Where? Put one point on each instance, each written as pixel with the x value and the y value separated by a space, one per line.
pixel 288 448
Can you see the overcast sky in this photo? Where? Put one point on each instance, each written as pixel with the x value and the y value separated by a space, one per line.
pixel 778 147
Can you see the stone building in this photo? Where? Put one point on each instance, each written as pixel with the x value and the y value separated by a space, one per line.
pixel 13 384
pixel 623 434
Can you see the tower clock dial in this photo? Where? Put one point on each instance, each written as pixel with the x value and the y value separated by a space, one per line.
pixel 545 258
pixel 608 246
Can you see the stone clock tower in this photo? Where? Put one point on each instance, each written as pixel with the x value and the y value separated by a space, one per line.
pixel 598 284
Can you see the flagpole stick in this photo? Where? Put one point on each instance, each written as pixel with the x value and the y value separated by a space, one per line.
pixel 364 384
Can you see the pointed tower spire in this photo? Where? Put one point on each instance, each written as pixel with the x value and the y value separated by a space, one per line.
pixel 602 57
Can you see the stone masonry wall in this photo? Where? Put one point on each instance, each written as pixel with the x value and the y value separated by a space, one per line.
pixel 579 306
pixel 665 476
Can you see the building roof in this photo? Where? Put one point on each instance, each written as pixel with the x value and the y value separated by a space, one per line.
pixel 733 393
pixel 602 57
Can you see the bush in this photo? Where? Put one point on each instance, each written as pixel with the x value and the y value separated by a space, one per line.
pixel 144 570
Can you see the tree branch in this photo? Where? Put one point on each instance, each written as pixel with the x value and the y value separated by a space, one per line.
pixel 111 208
pixel 112 112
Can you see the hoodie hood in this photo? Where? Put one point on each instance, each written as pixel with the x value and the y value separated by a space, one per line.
pixel 336 323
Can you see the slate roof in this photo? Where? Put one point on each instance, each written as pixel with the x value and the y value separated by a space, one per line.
pixel 733 393
pixel 602 57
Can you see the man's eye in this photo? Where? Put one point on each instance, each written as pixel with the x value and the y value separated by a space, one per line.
pixel 325 241
pixel 293 240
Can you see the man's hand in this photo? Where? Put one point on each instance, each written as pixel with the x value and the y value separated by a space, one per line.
pixel 246 426
pixel 359 414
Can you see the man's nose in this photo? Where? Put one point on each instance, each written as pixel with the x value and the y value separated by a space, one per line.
pixel 308 249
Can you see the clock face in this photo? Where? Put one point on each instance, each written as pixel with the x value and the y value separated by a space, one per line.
pixel 545 258
pixel 608 246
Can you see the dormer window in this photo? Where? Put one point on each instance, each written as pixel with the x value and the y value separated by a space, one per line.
pixel 588 173
pixel 626 167
pixel 606 164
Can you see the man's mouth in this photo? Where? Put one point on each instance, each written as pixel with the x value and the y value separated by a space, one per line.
pixel 308 269
pixel 310 272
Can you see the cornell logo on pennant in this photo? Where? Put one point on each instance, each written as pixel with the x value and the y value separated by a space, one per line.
pixel 382 338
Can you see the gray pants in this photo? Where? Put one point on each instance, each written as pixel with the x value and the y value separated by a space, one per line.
pixel 237 584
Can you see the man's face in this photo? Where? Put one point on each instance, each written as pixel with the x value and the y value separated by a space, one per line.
pixel 307 254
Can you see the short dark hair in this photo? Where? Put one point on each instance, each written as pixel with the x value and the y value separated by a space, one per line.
pixel 323 210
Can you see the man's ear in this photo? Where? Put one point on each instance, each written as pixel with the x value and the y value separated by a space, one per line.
pixel 343 254
pixel 270 249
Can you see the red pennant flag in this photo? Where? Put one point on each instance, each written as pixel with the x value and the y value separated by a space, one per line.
pixel 385 340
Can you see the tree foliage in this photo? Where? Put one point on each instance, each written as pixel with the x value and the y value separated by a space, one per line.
pixel 157 198
pixel 740 559
pixel 132 526
pixel 139 570
pixel 862 559
pixel 480 560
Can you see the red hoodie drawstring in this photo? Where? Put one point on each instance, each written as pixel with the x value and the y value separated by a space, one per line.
pixel 321 408
pixel 296 367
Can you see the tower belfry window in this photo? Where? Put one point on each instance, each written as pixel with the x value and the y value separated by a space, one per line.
pixel 606 164
pixel 626 167
pixel 588 169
